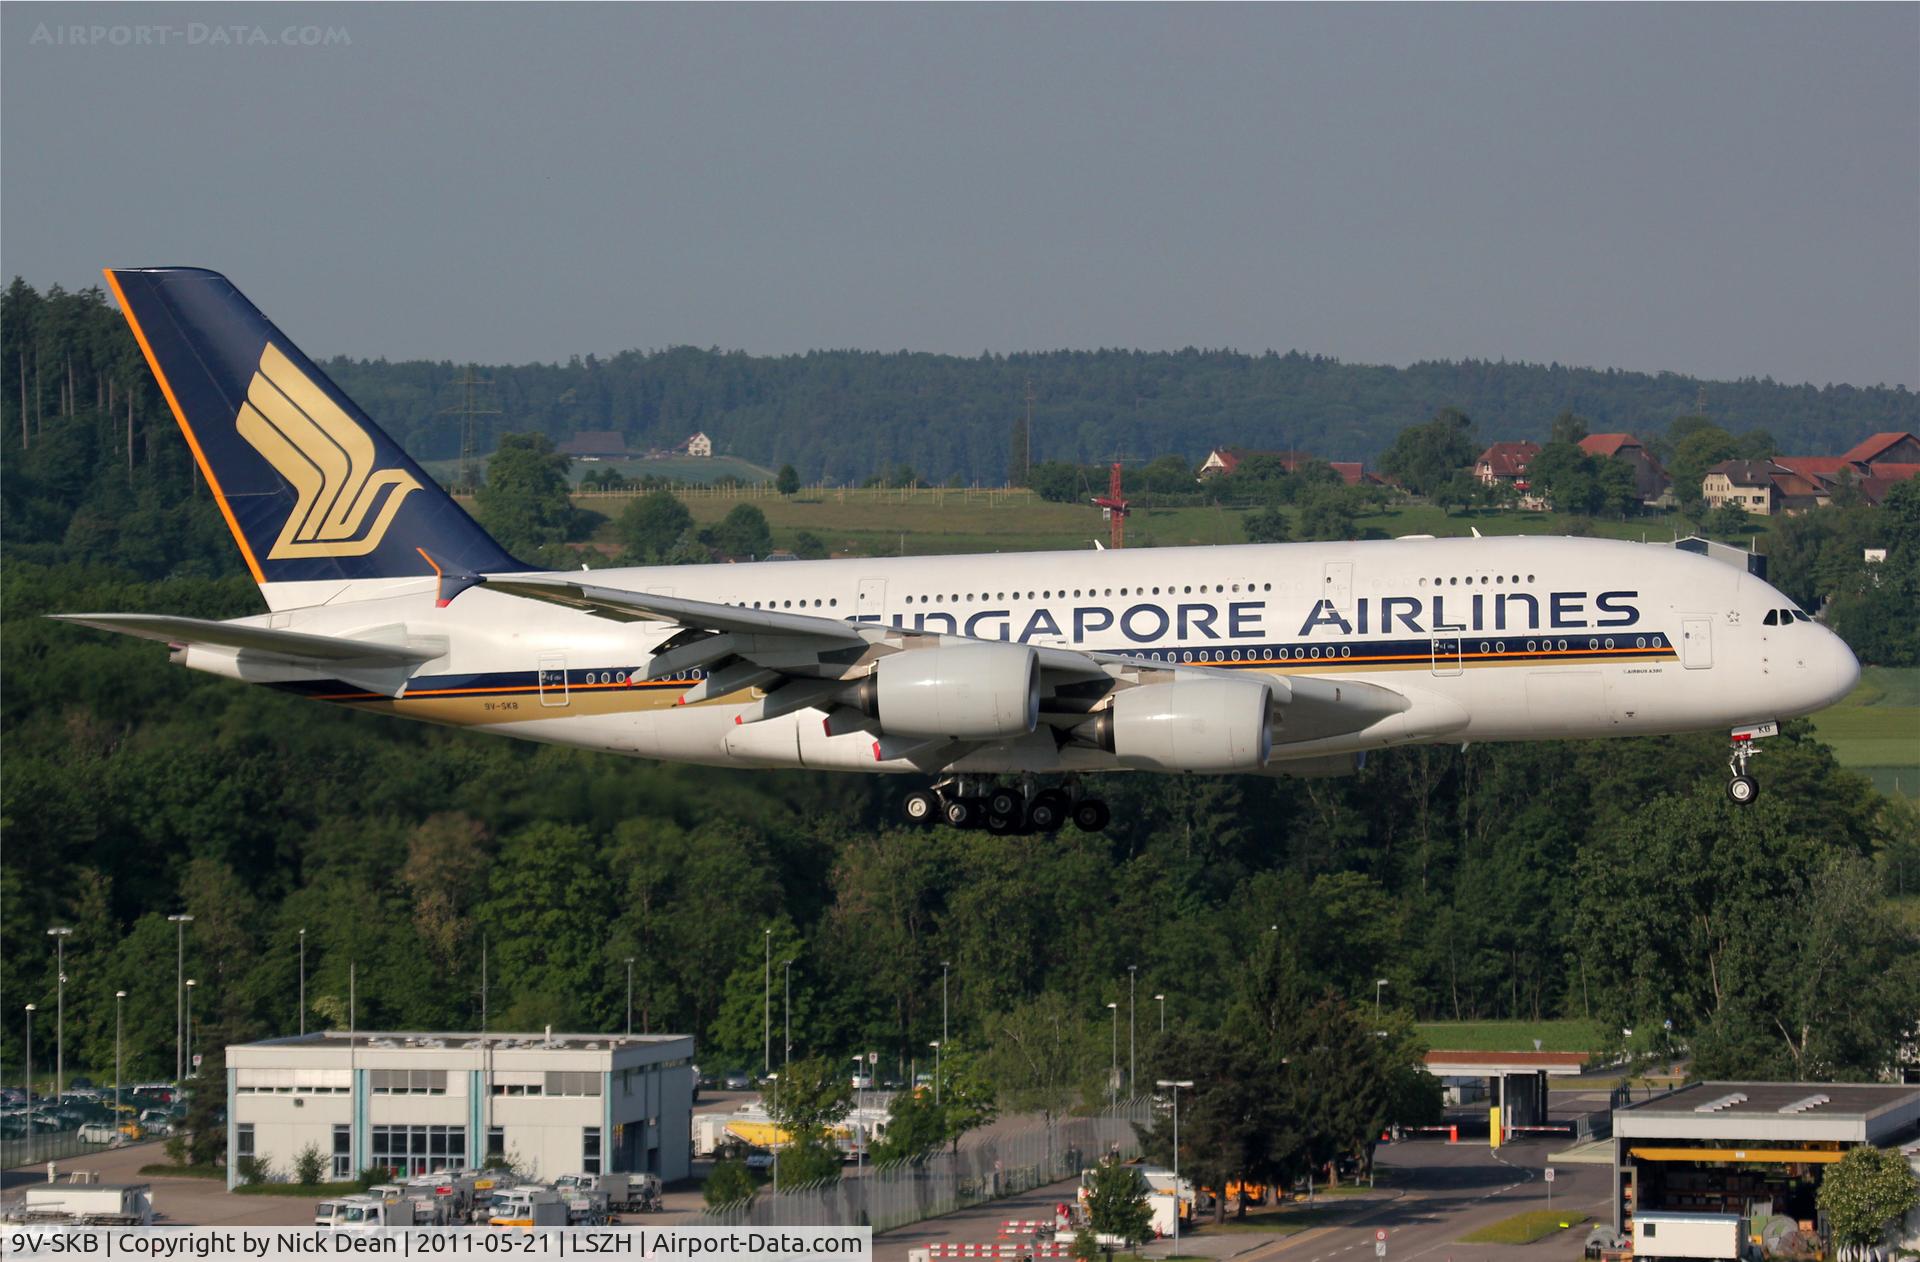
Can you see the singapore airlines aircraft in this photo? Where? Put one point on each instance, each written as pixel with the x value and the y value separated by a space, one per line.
pixel 982 673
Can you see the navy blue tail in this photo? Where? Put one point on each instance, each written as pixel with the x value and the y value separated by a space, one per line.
pixel 311 488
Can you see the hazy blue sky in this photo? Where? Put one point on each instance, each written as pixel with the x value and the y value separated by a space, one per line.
pixel 1721 190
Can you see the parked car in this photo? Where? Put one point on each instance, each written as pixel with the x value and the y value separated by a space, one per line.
pixel 738 1081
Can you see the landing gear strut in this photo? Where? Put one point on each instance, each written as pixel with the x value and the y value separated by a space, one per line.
pixel 1743 788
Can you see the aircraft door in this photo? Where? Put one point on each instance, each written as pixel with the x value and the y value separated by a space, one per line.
pixel 553 679
pixel 1696 643
pixel 1446 650
pixel 872 601
pixel 1336 585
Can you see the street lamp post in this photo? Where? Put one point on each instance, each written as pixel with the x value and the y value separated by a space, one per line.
pixel 629 994
pixel 787 988
pixel 303 981
pixel 943 1001
pixel 1378 984
pixel 936 1071
pixel 180 923
pixel 1176 1084
pixel 119 1001
pixel 775 1080
pixel 30 1011
pixel 1133 1064
pixel 189 1027
pixel 1113 1070
pixel 766 1003
pixel 60 937
pixel 1162 1001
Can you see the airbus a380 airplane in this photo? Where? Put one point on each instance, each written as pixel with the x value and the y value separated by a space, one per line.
pixel 980 672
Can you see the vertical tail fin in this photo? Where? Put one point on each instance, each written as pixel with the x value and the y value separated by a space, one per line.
pixel 311 488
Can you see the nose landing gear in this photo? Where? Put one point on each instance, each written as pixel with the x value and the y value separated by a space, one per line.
pixel 1743 788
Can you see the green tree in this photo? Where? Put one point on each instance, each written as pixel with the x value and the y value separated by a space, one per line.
pixel 309 1166
pixel 730 1183
pixel 1329 515
pixel 743 532
pixel 1726 521
pixel 524 503
pixel 1267 525
pixel 809 546
pixel 916 1127
pixel 1423 457
pixel 1117 1203
pixel 650 526
pixel 810 1096
pixel 787 481
pixel 1865 1191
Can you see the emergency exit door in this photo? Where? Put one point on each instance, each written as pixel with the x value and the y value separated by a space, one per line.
pixel 872 601
pixel 553 679
pixel 1336 585
pixel 1696 643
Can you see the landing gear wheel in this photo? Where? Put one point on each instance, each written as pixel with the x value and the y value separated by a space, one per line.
pixel 1090 815
pixel 1005 802
pixel 922 806
pixel 1743 789
pixel 1002 825
pixel 1048 811
pixel 961 812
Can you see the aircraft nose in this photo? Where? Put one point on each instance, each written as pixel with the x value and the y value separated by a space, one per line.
pixel 1846 667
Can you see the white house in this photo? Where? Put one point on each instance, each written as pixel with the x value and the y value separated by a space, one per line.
pixel 700 445
pixel 549 1104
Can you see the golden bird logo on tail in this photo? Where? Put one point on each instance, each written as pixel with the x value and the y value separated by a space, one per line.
pixel 325 457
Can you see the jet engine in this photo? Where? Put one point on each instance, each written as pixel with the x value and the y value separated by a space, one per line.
pixel 960 691
pixel 1188 725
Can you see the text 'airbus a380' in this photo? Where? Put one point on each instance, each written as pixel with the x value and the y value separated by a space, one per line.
pixel 983 673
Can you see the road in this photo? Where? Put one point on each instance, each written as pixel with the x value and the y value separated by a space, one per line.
pixel 1431 1194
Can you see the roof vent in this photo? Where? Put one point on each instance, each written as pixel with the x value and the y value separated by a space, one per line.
pixel 1724 1102
pixel 1802 1106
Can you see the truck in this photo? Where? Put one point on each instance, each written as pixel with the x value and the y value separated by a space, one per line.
pixel 1673 1234
pixel 356 1213
pixel 632 1193
pixel 88 1204
pixel 527 1206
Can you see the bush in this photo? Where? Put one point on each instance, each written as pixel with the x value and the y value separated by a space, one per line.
pixel 372 1175
pixel 308 1166
pixel 730 1181
pixel 253 1170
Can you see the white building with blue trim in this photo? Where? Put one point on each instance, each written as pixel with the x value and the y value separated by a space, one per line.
pixel 548 1104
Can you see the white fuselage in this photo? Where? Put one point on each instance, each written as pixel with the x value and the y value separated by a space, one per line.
pixel 1520 638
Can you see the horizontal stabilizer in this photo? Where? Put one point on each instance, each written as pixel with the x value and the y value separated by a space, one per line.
pixel 290 644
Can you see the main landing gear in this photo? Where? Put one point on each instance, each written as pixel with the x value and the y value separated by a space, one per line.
pixel 1743 788
pixel 1004 809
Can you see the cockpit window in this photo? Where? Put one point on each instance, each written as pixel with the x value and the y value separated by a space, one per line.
pixel 1772 619
pixel 1802 617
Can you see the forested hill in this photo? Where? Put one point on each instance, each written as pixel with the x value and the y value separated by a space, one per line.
pixel 845 415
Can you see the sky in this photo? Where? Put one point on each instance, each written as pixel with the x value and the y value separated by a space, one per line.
pixel 1719 190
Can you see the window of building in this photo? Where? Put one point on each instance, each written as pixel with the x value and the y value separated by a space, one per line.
pixel 496 1142
pixel 572 1082
pixel 342 1151
pixel 412 1150
pixel 243 1140
pixel 590 1149
pixel 407 1081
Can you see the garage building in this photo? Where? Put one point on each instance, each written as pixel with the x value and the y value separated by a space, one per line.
pixel 1753 1149
pixel 548 1104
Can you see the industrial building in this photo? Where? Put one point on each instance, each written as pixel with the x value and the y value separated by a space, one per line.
pixel 1752 1149
pixel 547 1104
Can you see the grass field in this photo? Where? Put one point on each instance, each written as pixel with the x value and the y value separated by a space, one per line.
pixel 930 521
pixel 1511 1036
pixel 1876 729
pixel 1526 1228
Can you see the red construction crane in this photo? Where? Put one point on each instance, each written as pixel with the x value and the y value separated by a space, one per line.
pixel 1114 505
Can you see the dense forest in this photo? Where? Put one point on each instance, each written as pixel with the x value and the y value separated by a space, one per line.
pixel 1606 879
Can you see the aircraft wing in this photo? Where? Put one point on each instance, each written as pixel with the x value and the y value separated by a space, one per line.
pixel 802 660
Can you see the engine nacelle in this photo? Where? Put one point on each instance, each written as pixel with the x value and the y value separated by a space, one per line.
pixel 1189 725
pixel 964 691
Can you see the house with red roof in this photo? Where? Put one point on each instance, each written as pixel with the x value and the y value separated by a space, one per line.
pixel 1795 484
pixel 1650 481
pixel 1222 461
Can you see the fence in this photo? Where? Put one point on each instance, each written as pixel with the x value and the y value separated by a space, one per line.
pixel 993 1166
pixel 31 1150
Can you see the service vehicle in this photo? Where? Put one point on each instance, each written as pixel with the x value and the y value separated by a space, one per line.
pixel 87 1204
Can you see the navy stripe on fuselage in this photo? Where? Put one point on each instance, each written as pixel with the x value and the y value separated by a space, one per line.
pixel 1449 653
